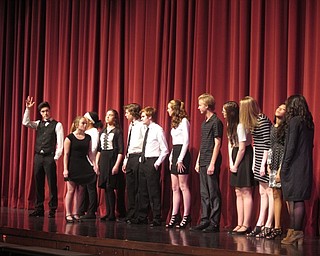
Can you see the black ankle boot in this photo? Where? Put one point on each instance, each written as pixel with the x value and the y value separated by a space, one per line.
pixel 173 221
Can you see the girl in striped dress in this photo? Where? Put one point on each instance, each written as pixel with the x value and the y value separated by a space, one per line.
pixel 259 125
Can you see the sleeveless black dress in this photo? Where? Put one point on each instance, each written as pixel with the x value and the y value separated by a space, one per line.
pixel 80 170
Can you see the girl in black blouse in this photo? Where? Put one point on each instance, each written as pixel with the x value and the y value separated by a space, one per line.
pixel 109 158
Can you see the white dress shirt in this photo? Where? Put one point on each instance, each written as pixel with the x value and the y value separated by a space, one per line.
pixel 156 145
pixel 94 134
pixel 34 125
pixel 136 139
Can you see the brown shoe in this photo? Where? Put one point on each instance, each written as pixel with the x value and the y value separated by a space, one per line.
pixel 296 237
pixel 289 233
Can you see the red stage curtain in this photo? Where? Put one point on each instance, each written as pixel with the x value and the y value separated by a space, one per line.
pixel 94 55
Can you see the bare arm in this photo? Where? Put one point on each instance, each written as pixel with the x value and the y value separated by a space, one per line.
pixel 66 146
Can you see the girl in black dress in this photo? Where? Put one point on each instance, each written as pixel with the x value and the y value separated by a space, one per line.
pixel 109 158
pixel 77 169
pixel 297 165
pixel 240 164
pixel 275 156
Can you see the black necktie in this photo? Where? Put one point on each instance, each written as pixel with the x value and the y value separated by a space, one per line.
pixel 144 145
pixel 129 138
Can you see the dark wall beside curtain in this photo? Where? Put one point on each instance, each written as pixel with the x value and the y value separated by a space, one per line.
pixel 94 55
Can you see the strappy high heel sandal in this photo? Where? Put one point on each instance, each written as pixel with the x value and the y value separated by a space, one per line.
pixel 264 233
pixel 274 233
pixel 185 221
pixel 256 231
pixel 69 218
pixel 76 217
pixel 173 221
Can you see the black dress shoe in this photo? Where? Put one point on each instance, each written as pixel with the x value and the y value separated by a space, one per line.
pixel 121 220
pixel 88 216
pixel 200 227
pixel 111 218
pixel 211 229
pixel 139 221
pixel 155 223
pixel 104 218
pixel 52 214
pixel 37 213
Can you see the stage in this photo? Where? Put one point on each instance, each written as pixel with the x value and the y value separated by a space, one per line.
pixel 94 237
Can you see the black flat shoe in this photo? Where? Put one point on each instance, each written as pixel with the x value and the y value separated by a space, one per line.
pixel 243 232
pixel 234 230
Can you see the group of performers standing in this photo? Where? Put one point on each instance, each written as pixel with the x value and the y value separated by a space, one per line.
pixel 278 160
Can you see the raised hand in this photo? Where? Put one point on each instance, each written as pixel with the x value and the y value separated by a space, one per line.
pixel 29 102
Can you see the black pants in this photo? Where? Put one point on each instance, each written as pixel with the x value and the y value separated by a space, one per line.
pixel 149 189
pixel 132 183
pixel 45 165
pixel 210 196
pixel 90 199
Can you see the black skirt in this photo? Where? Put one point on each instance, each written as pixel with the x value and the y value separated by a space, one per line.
pixel 244 176
pixel 186 160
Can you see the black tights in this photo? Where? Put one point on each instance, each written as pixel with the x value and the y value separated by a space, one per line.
pixel 296 211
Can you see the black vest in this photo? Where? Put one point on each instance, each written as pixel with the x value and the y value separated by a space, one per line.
pixel 46 139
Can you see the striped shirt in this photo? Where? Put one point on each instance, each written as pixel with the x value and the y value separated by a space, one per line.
pixel 261 143
pixel 210 129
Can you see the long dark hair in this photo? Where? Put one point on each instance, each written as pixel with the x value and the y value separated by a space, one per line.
pixel 296 105
pixel 116 117
pixel 232 114
pixel 281 130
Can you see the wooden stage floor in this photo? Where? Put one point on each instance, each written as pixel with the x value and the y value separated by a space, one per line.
pixel 118 238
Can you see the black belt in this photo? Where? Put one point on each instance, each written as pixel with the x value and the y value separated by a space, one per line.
pixel 134 154
pixel 153 157
pixel 45 154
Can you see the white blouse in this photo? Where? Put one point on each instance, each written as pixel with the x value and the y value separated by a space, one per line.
pixel 180 136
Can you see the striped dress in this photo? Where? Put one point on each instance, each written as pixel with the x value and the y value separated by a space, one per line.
pixel 261 142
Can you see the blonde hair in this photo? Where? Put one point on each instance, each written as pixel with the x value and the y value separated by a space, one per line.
pixel 209 100
pixel 249 112
pixel 75 123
